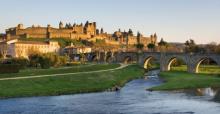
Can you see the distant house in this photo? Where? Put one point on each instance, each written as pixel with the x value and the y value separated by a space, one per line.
pixel 69 50
pixel 16 48
pixel 74 52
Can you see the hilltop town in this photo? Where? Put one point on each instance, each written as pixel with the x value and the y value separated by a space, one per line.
pixel 22 41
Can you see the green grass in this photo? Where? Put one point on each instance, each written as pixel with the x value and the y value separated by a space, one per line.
pixel 206 69
pixel 59 85
pixel 73 69
pixel 209 69
pixel 209 77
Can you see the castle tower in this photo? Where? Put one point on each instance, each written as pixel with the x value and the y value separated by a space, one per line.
pixel 20 26
pixel 48 26
pixel 90 28
pixel 130 32
pixel 102 31
pixel 155 35
pixel 97 31
pixel 60 25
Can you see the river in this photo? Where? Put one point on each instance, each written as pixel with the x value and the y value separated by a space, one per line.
pixel 133 98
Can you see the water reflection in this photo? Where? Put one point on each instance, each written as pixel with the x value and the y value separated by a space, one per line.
pixel 202 91
pixel 217 96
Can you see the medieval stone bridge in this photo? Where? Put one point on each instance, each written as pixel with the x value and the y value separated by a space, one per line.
pixel 192 61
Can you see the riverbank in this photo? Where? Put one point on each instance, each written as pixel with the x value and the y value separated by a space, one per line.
pixel 183 80
pixel 69 84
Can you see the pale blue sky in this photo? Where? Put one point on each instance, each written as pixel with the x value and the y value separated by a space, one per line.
pixel 174 20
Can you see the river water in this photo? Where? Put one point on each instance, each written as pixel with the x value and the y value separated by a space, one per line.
pixel 131 99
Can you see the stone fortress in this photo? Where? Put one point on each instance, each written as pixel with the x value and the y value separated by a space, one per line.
pixel 88 31
pixel 69 31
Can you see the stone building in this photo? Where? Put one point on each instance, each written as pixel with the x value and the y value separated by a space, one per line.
pixel 127 38
pixel 71 50
pixel 16 48
pixel 69 31
pixel 88 31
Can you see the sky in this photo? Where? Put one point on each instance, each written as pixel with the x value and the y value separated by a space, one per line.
pixel 172 20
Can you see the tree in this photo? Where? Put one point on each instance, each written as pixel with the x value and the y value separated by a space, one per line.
pixel 217 49
pixel 113 50
pixel 211 47
pixel 138 38
pixel 34 60
pixel 4 50
pixel 139 46
pixel 151 46
pixel 191 47
pixel 82 53
pixel 97 48
pixel 22 62
pixel 162 45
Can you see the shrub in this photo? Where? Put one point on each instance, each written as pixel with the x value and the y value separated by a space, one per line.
pixel 56 60
pixel 73 63
pixel 34 60
pixel 9 68
pixel 44 62
pixel 47 60
pixel 23 62
pixel 63 60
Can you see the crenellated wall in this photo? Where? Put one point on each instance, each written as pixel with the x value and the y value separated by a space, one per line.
pixel 32 30
pixel 76 31
pixel 87 32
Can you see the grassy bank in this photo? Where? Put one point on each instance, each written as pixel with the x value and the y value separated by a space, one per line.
pixel 203 69
pixel 183 80
pixel 79 83
pixel 73 69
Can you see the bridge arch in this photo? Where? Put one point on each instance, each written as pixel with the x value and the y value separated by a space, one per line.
pixel 127 59
pixel 171 60
pixel 93 58
pixel 109 58
pixel 198 63
pixel 149 59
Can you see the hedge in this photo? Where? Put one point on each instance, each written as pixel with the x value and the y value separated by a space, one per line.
pixel 9 68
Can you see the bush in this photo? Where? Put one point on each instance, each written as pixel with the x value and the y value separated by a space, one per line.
pixel 56 60
pixel 34 60
pixel 23 62
pixel 9 68
pixel 47 60
pixel 73 63
pixel 44 62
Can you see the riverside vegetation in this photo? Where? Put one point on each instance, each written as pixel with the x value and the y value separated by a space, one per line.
pixel 178 78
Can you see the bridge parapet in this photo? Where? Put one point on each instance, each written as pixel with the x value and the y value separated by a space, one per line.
pixel 191 60
pixel 165 59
